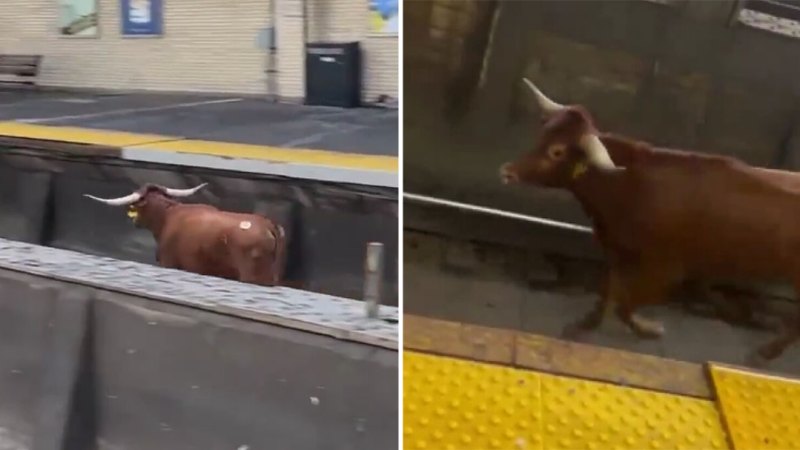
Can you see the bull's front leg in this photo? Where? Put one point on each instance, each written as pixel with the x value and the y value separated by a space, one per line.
pixel 594 318
pixel 638 287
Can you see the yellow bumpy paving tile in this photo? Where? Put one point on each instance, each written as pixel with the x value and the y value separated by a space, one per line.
pixel 451 404
pixel 463 405
pixel 580 414
pixel 760 411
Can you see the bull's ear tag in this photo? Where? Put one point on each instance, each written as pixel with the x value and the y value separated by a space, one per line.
pixel 245 225
pixel 133 213
pixel 579 169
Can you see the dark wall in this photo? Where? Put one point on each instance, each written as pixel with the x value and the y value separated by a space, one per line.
pixel 674 73
pixel 328 225
pixel 155 375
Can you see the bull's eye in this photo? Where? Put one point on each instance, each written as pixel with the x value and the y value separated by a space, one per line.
pixel 557 151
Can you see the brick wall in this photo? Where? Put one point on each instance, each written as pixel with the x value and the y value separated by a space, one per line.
pixel 208 46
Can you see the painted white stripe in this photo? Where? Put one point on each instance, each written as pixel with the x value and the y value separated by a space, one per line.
pixel 21 102
pixel 293 170
pixel 495 212
pixel 118 112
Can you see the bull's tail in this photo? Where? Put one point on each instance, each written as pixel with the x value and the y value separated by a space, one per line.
pixel 278 253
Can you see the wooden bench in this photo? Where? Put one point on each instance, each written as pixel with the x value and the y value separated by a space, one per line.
pixel 24 67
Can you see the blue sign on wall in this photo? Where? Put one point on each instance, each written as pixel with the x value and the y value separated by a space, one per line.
pixel 142 17
pixel 384 16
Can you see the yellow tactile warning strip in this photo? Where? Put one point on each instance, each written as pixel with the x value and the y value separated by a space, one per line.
pixel 454 404
pixel 78 135
pixel 457 404
pixel 592 415
pixel 759 411
pixel 288 155
pixel 211 148
pixel 550 355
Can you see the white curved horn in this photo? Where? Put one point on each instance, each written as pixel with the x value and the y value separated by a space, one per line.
pixel 184 192
pixel 596 152
pixel 548 106
pixel 120 201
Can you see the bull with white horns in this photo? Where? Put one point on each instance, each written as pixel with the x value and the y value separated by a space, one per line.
pixel 202 239
pixel 696 217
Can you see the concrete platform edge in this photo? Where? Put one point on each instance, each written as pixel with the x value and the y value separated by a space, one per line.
pixel 539 353
pixel 340 318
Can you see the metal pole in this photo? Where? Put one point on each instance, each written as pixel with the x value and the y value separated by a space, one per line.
pixel 495 212
pixel 373 278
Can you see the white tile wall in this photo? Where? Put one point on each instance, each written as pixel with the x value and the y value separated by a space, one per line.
pixel 208 46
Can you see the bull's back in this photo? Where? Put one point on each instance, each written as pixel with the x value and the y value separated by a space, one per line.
pixel 787 179
pixel 214 225
pixel 627 153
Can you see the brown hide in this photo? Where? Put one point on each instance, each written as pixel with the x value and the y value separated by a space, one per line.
pixel 689 218
pixel 741 303
pixel 659 224
pixel 202 239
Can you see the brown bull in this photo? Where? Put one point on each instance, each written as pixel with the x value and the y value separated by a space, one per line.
pixel 732 304
pixel 705 217
pixel 202 239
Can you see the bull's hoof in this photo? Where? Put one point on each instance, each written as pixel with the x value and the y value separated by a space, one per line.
pixel 756 360
pixel 648 329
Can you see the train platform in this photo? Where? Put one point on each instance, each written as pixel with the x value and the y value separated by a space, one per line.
pixel 357 146
pixel 468 386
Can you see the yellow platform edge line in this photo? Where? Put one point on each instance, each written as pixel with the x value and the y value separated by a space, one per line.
pixel 535 352
pixel 79 135
pixel 759 411
pixel 452 403
pixel 279 154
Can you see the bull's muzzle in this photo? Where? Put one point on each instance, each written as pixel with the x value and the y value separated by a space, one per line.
pixel 507 174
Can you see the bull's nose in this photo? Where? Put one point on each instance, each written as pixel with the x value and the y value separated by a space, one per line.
pixel 507 175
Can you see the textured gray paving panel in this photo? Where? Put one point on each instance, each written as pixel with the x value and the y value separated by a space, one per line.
pixel 372 131
pixel 334 316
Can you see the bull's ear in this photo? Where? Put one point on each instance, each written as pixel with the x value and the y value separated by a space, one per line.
pixel 575 115
pixel 579 119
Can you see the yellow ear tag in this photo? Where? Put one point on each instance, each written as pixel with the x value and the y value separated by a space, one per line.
pixel 579 169
pixel 132 213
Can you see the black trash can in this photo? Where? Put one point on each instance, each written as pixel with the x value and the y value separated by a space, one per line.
pixel 333 74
